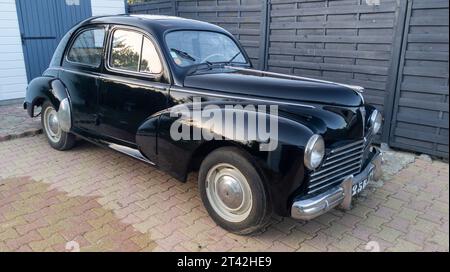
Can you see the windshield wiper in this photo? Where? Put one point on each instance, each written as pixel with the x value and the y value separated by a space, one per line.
pixel 211 65
pixel 200 66
pixel 182 54
pixel 233 58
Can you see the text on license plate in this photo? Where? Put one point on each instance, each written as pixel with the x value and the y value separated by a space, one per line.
pixel 358 187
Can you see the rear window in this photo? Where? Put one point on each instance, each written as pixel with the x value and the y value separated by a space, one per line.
pixel 57 56
pixel 87 48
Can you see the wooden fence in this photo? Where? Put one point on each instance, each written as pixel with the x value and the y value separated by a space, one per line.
pixel 396 49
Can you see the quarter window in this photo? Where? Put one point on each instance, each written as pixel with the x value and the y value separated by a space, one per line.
pixel 88 47
pixel 150 62
pixel 131 51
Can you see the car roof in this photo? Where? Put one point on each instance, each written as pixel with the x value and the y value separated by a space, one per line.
pixel 154 24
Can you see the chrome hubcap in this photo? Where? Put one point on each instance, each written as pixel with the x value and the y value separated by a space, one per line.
pixel 228 192
pixel 51 125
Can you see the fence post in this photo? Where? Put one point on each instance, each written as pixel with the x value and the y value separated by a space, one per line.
pixel 264 39
pixel 391 85
pixel 127 7
pixel 174 5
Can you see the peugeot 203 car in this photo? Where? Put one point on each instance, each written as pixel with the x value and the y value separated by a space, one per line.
pixel 114 80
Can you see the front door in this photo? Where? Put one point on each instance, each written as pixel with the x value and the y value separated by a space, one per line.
pixel 42 25
pixel 132 87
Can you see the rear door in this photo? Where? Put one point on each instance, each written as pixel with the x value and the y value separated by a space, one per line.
pixel 81 74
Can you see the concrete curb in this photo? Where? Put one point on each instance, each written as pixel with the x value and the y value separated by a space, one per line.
pixel 25 133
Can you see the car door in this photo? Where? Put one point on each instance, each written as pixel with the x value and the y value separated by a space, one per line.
pixel 132 87
pixel 81 73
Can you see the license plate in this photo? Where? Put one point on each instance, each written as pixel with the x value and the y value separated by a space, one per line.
pixel 358 187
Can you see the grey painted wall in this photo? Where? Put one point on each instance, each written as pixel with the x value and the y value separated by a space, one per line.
pixel 396 49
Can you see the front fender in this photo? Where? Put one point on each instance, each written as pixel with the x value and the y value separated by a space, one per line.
pixel 146 138
pixel 281 167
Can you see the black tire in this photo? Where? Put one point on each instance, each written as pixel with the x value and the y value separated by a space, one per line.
pixel 66 140
pixel 260 210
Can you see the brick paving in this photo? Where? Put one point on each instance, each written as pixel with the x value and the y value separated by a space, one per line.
pixel 93 199
pixel 15 123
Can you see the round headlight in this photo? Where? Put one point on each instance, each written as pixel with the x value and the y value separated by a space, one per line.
pixel 375 121
pixel 314 152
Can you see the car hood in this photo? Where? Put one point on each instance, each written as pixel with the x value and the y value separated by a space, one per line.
pixel 256 84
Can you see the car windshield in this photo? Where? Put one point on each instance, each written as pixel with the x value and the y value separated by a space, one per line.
pixel 195 47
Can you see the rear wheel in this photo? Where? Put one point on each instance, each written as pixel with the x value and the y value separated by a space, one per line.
pixel 233 192
pixel 56 137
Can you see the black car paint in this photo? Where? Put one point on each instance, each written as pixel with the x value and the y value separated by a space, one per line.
pixel 133 110
pixel 240 83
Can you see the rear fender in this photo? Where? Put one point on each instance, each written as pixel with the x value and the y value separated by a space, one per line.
pixel 53 90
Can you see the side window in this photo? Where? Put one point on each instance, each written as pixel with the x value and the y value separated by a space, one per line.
pixel 131 51
pixel 88 47
pixel 150 62
pixel 126 50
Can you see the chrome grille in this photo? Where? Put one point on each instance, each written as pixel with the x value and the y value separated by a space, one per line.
pixel 339 164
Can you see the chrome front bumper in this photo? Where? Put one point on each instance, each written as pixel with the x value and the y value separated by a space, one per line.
pixel 309 208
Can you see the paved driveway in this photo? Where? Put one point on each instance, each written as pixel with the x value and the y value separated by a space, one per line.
pixel 93 199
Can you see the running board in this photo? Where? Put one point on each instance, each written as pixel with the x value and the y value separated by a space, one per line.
pixel 132 152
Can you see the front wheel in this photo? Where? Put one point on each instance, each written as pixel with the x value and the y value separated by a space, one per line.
pixel 57 138
pixel 233 192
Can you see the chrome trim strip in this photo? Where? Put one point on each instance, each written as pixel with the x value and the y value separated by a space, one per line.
pixel 186 90
pixel 93 74
pixel 342 158
pixel 128 151
pixel 316 174
pixel 325 186
pixel 115 78
pixel 344 173
pixel 345 152
pixel 346 146
pixel 75 37
pixel 121 79
pixel 128 72
pixel 357 89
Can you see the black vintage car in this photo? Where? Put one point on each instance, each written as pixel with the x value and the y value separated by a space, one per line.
pixel 116 80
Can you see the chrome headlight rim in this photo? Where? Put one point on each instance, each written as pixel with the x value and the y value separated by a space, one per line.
pixel 316 141
pixel 375 121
